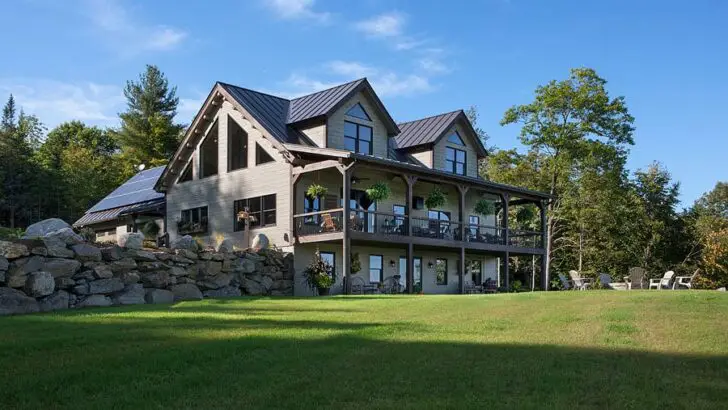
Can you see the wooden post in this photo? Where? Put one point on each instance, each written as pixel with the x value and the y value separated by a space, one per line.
pixel 294 206
pixel 463 190
pixel 410 268
pixel 544 258
pixel 409 181
pixel 462 270
pixel 506 237
pixel 346 245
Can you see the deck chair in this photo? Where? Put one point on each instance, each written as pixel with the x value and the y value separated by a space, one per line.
pixel 564 282
pixel 662 283
pixel 579 282
pixel 605 280
pixel 327 223
pixel 685 281
pixel 636 278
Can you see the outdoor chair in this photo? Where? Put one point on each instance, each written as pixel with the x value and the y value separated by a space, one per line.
pixel 471 288
pixel 662 283
pixel 579 282
pixel 605 280
pixel 685 281
pixel 564 282
pixel 327 223
pixel 490 286
pixel 636 278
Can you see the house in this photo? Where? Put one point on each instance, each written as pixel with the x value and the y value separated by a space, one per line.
pixel 129 208
pixel 248 159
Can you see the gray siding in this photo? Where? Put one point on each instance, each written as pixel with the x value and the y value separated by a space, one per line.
pixel 317 134
pixel 472 158
pixel 335 125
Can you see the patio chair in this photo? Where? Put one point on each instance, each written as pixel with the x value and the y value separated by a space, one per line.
pixel 579 282
pixel 636 278
pixel 471 288
pixel 662 283
pixel 605 280
pixel 564 282
pixel 327 223
pixel 685 281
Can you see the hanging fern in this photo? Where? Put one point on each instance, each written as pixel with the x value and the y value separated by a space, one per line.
pixel 436 198
pixel 484 207
pixel 379 191
pixel 316 191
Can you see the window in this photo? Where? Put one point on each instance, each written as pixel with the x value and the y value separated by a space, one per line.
pixel 186 173
pixel 237 146
pixel 441 271
pixel 418 273
pixel 208 153
pixel 474 221
pixel 475 270
pixel 375 268
pixel 358 138
pixel 261 211
pixel 261 156
pixel 455 161
pixel 193 220
pixel 311 205
pixel 455 139
pixel 403 271
pixel 358 112
pixel 439 222
pixel 399 213
pixel 330 259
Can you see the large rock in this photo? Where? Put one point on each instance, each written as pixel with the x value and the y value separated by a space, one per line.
pixel 123 265
pixel 209 268
pixel 63 236
pixel 158 279
pixel 131 295
pixel 65 283
pixel 217 281
pixel 24 266
pixel 267 283
pixel 260 241
pixel 61 267
pixel 15 302
pixel 130 277
pixel 186 291
pixel 140 255
pixel 159 296
pixel 177 271
pixel 2 276
pixel 57 249
pixel 112 253
pixel 185 242
pixel 252 287
pixel 152 266
pixel 87 253
pixel 95 301
pixel 13 250
pixel 57 301
pixel 39 284
pixel 105 286
pixel 226 246
pixel 103 271
pixel 247 265
pixel 15 281
pixel 224 292
pixel 4 264
pixel 130 240
pixel 44 227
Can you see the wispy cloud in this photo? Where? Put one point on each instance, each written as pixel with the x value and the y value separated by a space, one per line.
pixel 297 9
pixel 432 65
pixel 389 24
pixel 126 33
pixel 351 69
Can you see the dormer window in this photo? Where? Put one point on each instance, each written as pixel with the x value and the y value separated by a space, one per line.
pixel 455 161
pixel 454 138
pixel 357 111
pixel 358 138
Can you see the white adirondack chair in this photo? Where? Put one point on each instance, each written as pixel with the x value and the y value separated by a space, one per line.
pixel 664 282
pixel 685 281
pixel 579 282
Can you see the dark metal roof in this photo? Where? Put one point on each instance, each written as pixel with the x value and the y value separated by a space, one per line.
pixel 320 103
pixel 139 188
pixel 426 130
pixel 91 218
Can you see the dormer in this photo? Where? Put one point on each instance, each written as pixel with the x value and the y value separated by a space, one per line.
pixel 446 142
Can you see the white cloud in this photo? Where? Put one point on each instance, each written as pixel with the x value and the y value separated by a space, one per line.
pixel 126 33
pixel 384 25
pixel 297 9
pixel 394 85
pixel 351 69
pixel 433 66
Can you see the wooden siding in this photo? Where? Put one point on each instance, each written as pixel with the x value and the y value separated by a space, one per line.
pixel 317 133
pixel 424 156
pixel 335 125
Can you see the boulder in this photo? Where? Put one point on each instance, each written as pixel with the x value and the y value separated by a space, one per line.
pixel 129 278
pixel 57 301
pixel 267 283
pixel 80 289
pixel 163 256
pixel 159 296
pixel 152 266
pixel 39 250
pixel 177 271
pixel 63 236
pixel 130 240
pixel 85 252
pixel 57 249
pixel 216 282
pixel 131 295
pixel 45 227
pixel 112 253
pixel 252 287
pixel 86 275
pixel 95 301
pixel 282 285
pixel 226 246
pixel 140 255
pixel 39 284
pixel 182 260
pixel 186 291
pixel 61 267
pixel 218 257
pixel 209 268
pixel 185 242
pixel 102 272
pixel 205 256
pixel 247 265
pixel 15 302
pixel 65 283
pixel 2 276
pixel 24 266
pixel 158 279
pixel 123 265
pixel 260 241
pixel 105 286
pixel 13 250
pixel 186 253
pixel 4 264
pixel 224 292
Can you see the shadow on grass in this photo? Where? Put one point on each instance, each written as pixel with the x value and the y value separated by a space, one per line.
pixel 203 362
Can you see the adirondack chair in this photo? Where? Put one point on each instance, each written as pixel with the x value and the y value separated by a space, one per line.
pixel 579 282
pixel 605 280
pixel 636 278
pixel 564 282
pixel 685 281
pixel 327 223
pixel 664 282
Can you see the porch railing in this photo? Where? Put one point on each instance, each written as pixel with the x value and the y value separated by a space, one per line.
pixel 489 234
pixel 317 223
pixel 379 222
pixel 524 239
pixel 436 229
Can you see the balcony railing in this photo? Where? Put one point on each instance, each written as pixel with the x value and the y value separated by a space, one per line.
pixel 525 239
pixel 436 229
pixel 317 223
pixel 378 222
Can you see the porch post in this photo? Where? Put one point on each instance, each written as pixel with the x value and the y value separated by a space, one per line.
pixel 346 245
pixel 506 237
pixel 544 258
pixel 463 190
pixel 410 268
pixel 506 270
pixel 409 181
pixel 294 206
pixel 462 270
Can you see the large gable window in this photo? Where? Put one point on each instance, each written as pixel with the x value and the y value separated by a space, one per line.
pixel 357 111
pixel 237 146
pixel 208 153
pixel 260 211
pixel 358 138
pixel 454 138
pixel 186 173
pixel 455 160
pixel 261 156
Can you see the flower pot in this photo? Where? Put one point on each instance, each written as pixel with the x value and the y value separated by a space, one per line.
pixel 324 291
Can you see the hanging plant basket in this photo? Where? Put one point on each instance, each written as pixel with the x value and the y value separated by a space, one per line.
pixel 316 191
pixel 484 207
pixel 379 191
pixel 436 198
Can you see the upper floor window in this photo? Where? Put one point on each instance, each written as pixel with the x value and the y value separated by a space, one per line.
pixel 208 153
pixel 311 205
pixel 186 173
pixel 358 138
pixel 357 111
pixel 455 139
pixel 261 211
pixel 455 160
pixel 237 146
pixel 261 156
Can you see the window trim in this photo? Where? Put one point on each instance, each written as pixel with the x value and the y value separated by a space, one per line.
pixel 262 212
pixel 258 150
pixel 381 268
pixel 187 167
pixel 229 144
pixel 357 138
pixel 451 165
pixel 201 158
pixel 438 283
pixel 197 210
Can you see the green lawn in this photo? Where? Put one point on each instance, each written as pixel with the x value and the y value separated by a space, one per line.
pixel 557 350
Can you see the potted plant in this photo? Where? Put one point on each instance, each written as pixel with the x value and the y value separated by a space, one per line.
pixel 355 263
pixel 316 190
pixel 484 207
pixel 436 198
pixel 319 275
pixel 379 191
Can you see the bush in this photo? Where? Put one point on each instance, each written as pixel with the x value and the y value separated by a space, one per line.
pixel 10 233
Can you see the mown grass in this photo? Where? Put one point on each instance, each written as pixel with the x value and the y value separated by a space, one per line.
pixel 556 350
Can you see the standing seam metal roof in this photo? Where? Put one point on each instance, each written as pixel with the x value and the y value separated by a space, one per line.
pixel 424 131
pixel 270 111
pixel 319 103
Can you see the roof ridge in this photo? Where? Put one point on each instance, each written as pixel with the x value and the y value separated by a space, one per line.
pixel 330 88
pixel 253 91
pixel 432 116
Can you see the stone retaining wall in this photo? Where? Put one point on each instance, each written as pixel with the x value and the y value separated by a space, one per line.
pixel 58 270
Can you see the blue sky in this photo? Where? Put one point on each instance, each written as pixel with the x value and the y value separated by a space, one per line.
pixel 70 59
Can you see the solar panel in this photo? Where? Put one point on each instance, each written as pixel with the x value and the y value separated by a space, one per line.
pixel 138 188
